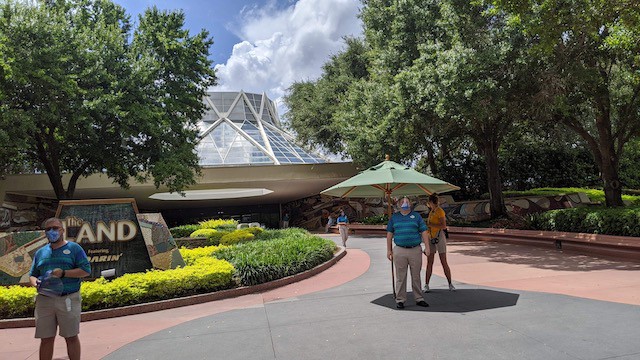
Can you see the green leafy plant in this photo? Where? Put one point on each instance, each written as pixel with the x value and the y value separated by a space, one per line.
pixel 596 220
pixel 376 220
pixel 262 261
pixel 183 231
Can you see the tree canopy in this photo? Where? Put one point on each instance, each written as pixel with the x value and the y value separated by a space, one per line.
pixel 82 92
pixel 455 82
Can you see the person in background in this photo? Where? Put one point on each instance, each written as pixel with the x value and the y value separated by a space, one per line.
pixel 343 226
pixel 331 220
pixel 437 222
pixel 68 262
pixel 408 231
pixel 285 220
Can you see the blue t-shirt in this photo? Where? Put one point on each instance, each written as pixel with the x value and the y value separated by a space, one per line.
pixel 406 229
pixel 67 257
pixel 343 219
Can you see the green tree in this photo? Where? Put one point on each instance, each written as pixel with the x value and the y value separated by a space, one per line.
pixel 592 78
pixel 313 104
pixel 465 69
pixel 82 94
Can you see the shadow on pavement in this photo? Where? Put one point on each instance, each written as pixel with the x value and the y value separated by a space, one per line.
pixel 461 301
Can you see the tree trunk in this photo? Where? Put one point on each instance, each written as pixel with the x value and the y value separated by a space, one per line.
pixel 496 199
pixel 431 159
pixel 611 181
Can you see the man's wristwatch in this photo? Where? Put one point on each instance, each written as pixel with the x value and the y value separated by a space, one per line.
pixel 61 276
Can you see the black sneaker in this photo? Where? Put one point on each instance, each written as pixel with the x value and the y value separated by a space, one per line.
pixel 400 305
pixel 422 303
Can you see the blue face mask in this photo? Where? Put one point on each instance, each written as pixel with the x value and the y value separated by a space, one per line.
pixel 53 235
pixel 405 206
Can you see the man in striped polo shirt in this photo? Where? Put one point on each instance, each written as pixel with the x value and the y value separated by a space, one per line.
pixel 59 261
pixel 408 230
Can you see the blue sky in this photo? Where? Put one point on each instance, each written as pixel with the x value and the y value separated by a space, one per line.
pixel 265 46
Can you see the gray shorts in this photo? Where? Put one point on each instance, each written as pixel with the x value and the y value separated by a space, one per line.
pixel 441 246
pixel 52 312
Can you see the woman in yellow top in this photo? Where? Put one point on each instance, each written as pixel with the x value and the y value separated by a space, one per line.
pixel 437 222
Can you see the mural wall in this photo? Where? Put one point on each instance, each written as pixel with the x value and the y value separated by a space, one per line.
pixel 313 212
pixel 111 232
pixel 22 213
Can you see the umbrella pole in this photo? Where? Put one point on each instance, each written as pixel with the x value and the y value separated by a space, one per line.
pixel 393 280
pixel 393 274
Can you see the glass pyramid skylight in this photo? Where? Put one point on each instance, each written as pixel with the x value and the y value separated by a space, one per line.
pixel 239 128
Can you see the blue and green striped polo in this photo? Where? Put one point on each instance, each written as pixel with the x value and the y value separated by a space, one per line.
pixel 68 256
pixel 406 229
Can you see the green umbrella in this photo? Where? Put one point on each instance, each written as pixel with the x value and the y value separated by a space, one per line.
pixel 386 179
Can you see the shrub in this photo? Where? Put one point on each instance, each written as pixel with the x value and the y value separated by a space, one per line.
pixel 376 220
pixel 213 236
pixel 191 255
pixel 227 224
pixel 16 301
pixel 204 275
pixel 236 237
pixel 623 221
pixel 207 274
pixel 257 231
pixel 183 231
pixel 262 261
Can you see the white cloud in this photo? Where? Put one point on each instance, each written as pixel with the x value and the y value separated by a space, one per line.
pixel 281 46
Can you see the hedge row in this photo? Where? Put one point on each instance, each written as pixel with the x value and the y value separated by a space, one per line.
pixel 623 221
pixel 206 274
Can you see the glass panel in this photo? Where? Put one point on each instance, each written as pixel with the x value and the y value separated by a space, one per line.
pixel 249 115
pixel 243 152
pixel 237 114
pixel 223 135
pixel 253 132
pixel 227 100
pixel 208 152
pixel 266 116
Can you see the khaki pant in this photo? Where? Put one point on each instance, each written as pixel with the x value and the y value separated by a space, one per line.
pixel 52 313
pixel 412 258
pixel 344 233
pixel 441 246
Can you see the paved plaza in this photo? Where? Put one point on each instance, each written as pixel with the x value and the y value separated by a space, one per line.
pixel 512 302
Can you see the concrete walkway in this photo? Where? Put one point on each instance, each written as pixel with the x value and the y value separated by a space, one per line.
pixel 513 302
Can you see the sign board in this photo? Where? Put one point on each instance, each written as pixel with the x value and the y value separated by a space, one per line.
pixel 109 233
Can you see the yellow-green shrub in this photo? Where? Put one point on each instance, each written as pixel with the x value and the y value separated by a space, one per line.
pixel 213 236
pixel 255 230
pixel 236 237
pixel 207 274
pixel 218 223
pixel 16 301
pixel 191 255
pixel 203 233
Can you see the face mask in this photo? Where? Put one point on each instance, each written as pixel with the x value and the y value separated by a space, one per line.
pixel 53 235
pixel 405 206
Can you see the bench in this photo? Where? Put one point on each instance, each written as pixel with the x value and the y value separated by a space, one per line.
pixel 608 245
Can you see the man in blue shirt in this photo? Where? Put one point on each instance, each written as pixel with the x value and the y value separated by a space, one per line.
pixel 56 271
pixel 408 230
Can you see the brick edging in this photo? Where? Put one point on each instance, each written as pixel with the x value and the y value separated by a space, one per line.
pixel 189 300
